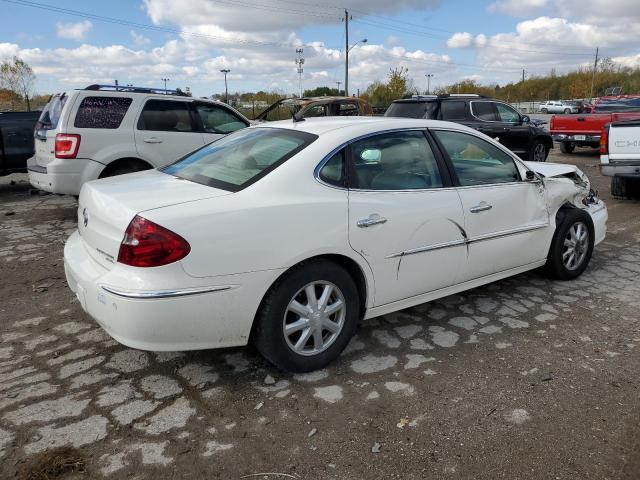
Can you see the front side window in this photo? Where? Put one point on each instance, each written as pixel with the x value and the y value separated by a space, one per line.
pixel 395 161
pixel 216 119
pixel 507 114
pixel 166 116
pixel 476 161
pixel 241 158
pixel 101 112
pixel 453 110
pixel 484 111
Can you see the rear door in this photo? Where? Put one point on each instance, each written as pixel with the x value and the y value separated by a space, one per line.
pixel 505 218
pixel 166 130
pixel 404 216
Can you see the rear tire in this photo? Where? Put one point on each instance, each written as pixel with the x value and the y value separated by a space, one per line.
pixel 544 110
pixel 571 246
pixel 304 342
pixel 567 147
pixel 567 111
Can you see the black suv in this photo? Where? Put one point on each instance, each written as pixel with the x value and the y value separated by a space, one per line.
pixel 492 117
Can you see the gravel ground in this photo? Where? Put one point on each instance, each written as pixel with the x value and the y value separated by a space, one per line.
pixel 526 378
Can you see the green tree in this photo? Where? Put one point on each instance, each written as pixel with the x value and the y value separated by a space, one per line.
pixel 321 92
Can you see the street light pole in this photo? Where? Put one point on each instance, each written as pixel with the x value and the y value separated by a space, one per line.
pixel 226 90
pixel 428 75
pixel 338 83
pixel 165 80
pixel 346 66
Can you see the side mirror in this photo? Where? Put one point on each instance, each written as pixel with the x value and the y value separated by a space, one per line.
pixel 530 176
pixel 526 119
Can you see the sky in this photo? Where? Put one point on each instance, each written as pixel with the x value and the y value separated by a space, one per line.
pixel 72 44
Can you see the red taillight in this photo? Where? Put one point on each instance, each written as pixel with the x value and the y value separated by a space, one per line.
pixel 67 145
pixel 551 122
pixel 604 140
pixel 147 244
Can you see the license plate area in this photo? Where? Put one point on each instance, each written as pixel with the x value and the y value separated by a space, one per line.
pixel 579 137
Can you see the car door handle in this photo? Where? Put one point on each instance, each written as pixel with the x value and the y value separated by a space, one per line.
pixel 152 140
pixel 373 219
pixel 481 207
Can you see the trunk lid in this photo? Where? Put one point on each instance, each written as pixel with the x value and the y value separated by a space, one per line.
pixel 106 207
pixel 588 124
pixel 624 142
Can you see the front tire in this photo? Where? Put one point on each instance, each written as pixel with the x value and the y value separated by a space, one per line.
pixel 538 151
pixel 567 147
pixel 544 110
pixel 567 111
pixel 308 317
pixel 572 245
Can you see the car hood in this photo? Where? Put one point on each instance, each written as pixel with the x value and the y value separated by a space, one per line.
pixel 552 169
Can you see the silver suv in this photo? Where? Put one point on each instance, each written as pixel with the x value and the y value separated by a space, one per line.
pixel 107 130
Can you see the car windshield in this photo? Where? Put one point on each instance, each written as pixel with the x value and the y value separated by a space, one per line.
pixel 242 158
pixel 411 109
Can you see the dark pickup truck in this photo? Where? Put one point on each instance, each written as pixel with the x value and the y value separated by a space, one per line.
pixel 16 140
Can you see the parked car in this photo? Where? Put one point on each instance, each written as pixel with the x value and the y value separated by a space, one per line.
pixel 583 130
pixel 308 107
pixel 494 118
pixel 620 157
pixel 16 140
pixel 103 131
pixel 287 235
pixel 559 106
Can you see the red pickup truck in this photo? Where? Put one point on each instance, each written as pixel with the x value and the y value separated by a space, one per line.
pixel 583 130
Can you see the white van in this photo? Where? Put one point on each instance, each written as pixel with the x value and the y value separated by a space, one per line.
pixel 107 130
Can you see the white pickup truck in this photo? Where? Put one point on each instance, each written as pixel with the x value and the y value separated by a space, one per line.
pixel 620 157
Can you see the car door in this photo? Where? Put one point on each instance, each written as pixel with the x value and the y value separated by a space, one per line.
pixel 405 219
pixel 506 221
pixel 487 119
pixel 216 121
pixel 515 134
pixel 166 130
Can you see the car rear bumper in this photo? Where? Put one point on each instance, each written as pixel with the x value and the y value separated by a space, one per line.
pixel 63 176
pixel 219 312
pixel 577 137
pixel 613 170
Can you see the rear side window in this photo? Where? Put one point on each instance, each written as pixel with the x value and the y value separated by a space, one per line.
pixel 411 109
pixel 484 111
pixel 101 112
pixel 166 116
pixel 334 171
pixel 347 110
pixel 453 111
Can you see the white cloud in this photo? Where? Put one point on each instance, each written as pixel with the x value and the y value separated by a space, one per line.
pixel 460 40
pixel 74 31
pixel 138 39
pixel 517 8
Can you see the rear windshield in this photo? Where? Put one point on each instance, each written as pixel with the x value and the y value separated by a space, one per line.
pixel 50 115
pixel 412 109
pixel 241 158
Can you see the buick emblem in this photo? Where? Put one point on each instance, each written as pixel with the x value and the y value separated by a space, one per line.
pixel 85 217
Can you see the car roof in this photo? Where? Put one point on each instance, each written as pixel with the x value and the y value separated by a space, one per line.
pixel 360 125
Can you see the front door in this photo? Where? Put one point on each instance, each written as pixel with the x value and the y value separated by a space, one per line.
pixel 515 134
pixel 166 131
pixel 404 217
pixel 506 219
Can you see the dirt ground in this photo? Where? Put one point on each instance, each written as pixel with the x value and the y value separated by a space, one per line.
pixel 526 378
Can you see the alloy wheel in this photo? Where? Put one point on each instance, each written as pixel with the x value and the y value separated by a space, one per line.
pixel 576 245
pixel 314 318
pixel 539 152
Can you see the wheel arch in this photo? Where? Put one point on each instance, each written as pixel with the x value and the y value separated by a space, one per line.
pixel 114 164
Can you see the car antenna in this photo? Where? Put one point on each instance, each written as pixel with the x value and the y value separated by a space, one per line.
pixel 297 117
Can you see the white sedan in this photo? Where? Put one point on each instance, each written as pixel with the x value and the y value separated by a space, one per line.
pixel 288 234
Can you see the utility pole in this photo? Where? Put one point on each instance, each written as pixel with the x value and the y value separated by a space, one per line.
pixel 226 90
pixel 428 75
pixel 299 62
pixel 593 77
pixel 346 53
pixel 165 80
pixel 523 74
pixel 338 83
